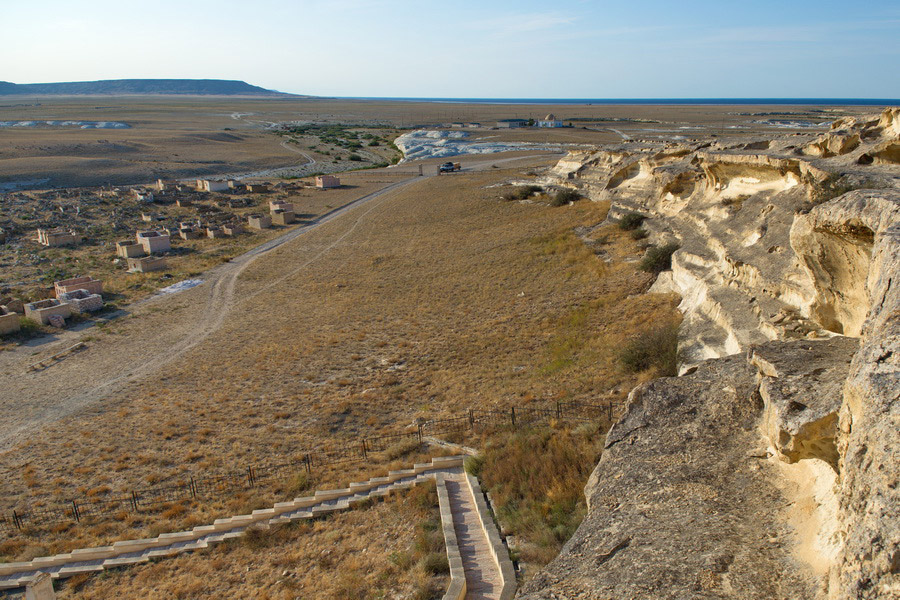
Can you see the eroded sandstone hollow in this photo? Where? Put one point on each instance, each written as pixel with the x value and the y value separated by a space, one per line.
pixel 769 468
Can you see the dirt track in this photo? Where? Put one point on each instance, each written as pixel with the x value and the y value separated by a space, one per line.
pixel 155 333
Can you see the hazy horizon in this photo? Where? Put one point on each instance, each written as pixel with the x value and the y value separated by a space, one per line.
pixel 396 49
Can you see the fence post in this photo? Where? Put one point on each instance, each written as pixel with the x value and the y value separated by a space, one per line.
pixel 308 465
pixel 134 502
pixel 420 433
pixel 250 475
pixel 75 511
pixel 16 520
pixel 364 452
pixel 471 419
pixel 193 488
pixel 558 411
pixel 512 414
pixel 609 411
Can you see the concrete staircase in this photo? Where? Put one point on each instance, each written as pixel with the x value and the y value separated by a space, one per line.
pixel 479 562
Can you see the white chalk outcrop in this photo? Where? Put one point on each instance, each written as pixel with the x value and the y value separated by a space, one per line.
pixel 785 423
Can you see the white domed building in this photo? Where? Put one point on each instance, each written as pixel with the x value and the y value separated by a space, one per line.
pixel 550 121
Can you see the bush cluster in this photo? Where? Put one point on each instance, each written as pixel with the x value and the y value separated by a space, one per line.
pixel 631 221
pixel 655 348
pixel 522 192
pixel 565 196
pixel 658 258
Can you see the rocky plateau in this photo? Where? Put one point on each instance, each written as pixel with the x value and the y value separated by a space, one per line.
pixel 769 468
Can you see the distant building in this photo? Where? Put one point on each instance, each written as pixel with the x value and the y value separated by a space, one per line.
pixel 57 237
pixel 129 249
pixel 147 264
pixel 280 205
pixel 550 121
pixel 93 286
pixel 259 221
pixel 327 181
pixel 9 321
pixel 258 188
pixel 153 241
pixel 512 123
pixel 42 310
pixel 82 301
pixel 207 185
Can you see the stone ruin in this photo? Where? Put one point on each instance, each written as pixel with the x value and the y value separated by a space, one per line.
pixel 153 241
pixel 147 264
pixel 82 301
pixel 89 284
pixel 42 310
pixel 259 221
pixel 9 321
pixel 53 238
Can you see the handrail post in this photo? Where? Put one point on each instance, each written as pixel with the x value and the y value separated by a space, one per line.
pixel 512 414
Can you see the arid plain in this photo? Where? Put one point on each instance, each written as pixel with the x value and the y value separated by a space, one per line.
pixel 433 297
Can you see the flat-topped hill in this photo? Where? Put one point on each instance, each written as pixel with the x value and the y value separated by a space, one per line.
pixel 206 87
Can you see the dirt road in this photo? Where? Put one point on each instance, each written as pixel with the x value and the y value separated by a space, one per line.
pixel 156 331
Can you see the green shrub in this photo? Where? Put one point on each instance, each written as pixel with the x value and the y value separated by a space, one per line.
pixel 28 325
pixel 655 348
pixel 565 196
pixel 355 157
pixel 373 143
pixel 473 465
pixel 631 221
pixel 522 192
pixel 435 563
pixel 658 258
pixel 638 234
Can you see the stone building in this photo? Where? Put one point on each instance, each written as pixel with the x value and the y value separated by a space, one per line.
pixel 93 286
pixel 153 241
pixel 327 181
pixel 57 237
pixel 42 310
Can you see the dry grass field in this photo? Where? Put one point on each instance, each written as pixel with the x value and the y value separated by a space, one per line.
pixel 389 549
pixel 437 297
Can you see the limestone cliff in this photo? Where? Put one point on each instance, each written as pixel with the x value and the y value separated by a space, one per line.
pixel 769 469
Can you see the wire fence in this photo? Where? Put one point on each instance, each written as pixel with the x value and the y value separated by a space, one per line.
pixel 196 487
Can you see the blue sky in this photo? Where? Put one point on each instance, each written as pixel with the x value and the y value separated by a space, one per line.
pixel 461 48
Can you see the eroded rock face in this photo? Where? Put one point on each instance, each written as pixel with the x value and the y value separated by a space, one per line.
pixel 801 384
pixel 683 503
pixel 868 439
pixel 771 471
pixel 834 244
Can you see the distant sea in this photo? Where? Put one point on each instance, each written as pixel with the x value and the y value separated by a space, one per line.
pixel 656 101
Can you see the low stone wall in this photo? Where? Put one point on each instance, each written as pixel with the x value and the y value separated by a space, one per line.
pixel 90 560
pixel 9 323
pixel 498 550
pixel 93 286
pixel 42 310
pixel 457 588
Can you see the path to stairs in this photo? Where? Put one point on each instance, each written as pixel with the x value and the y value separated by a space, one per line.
pixel 483 580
